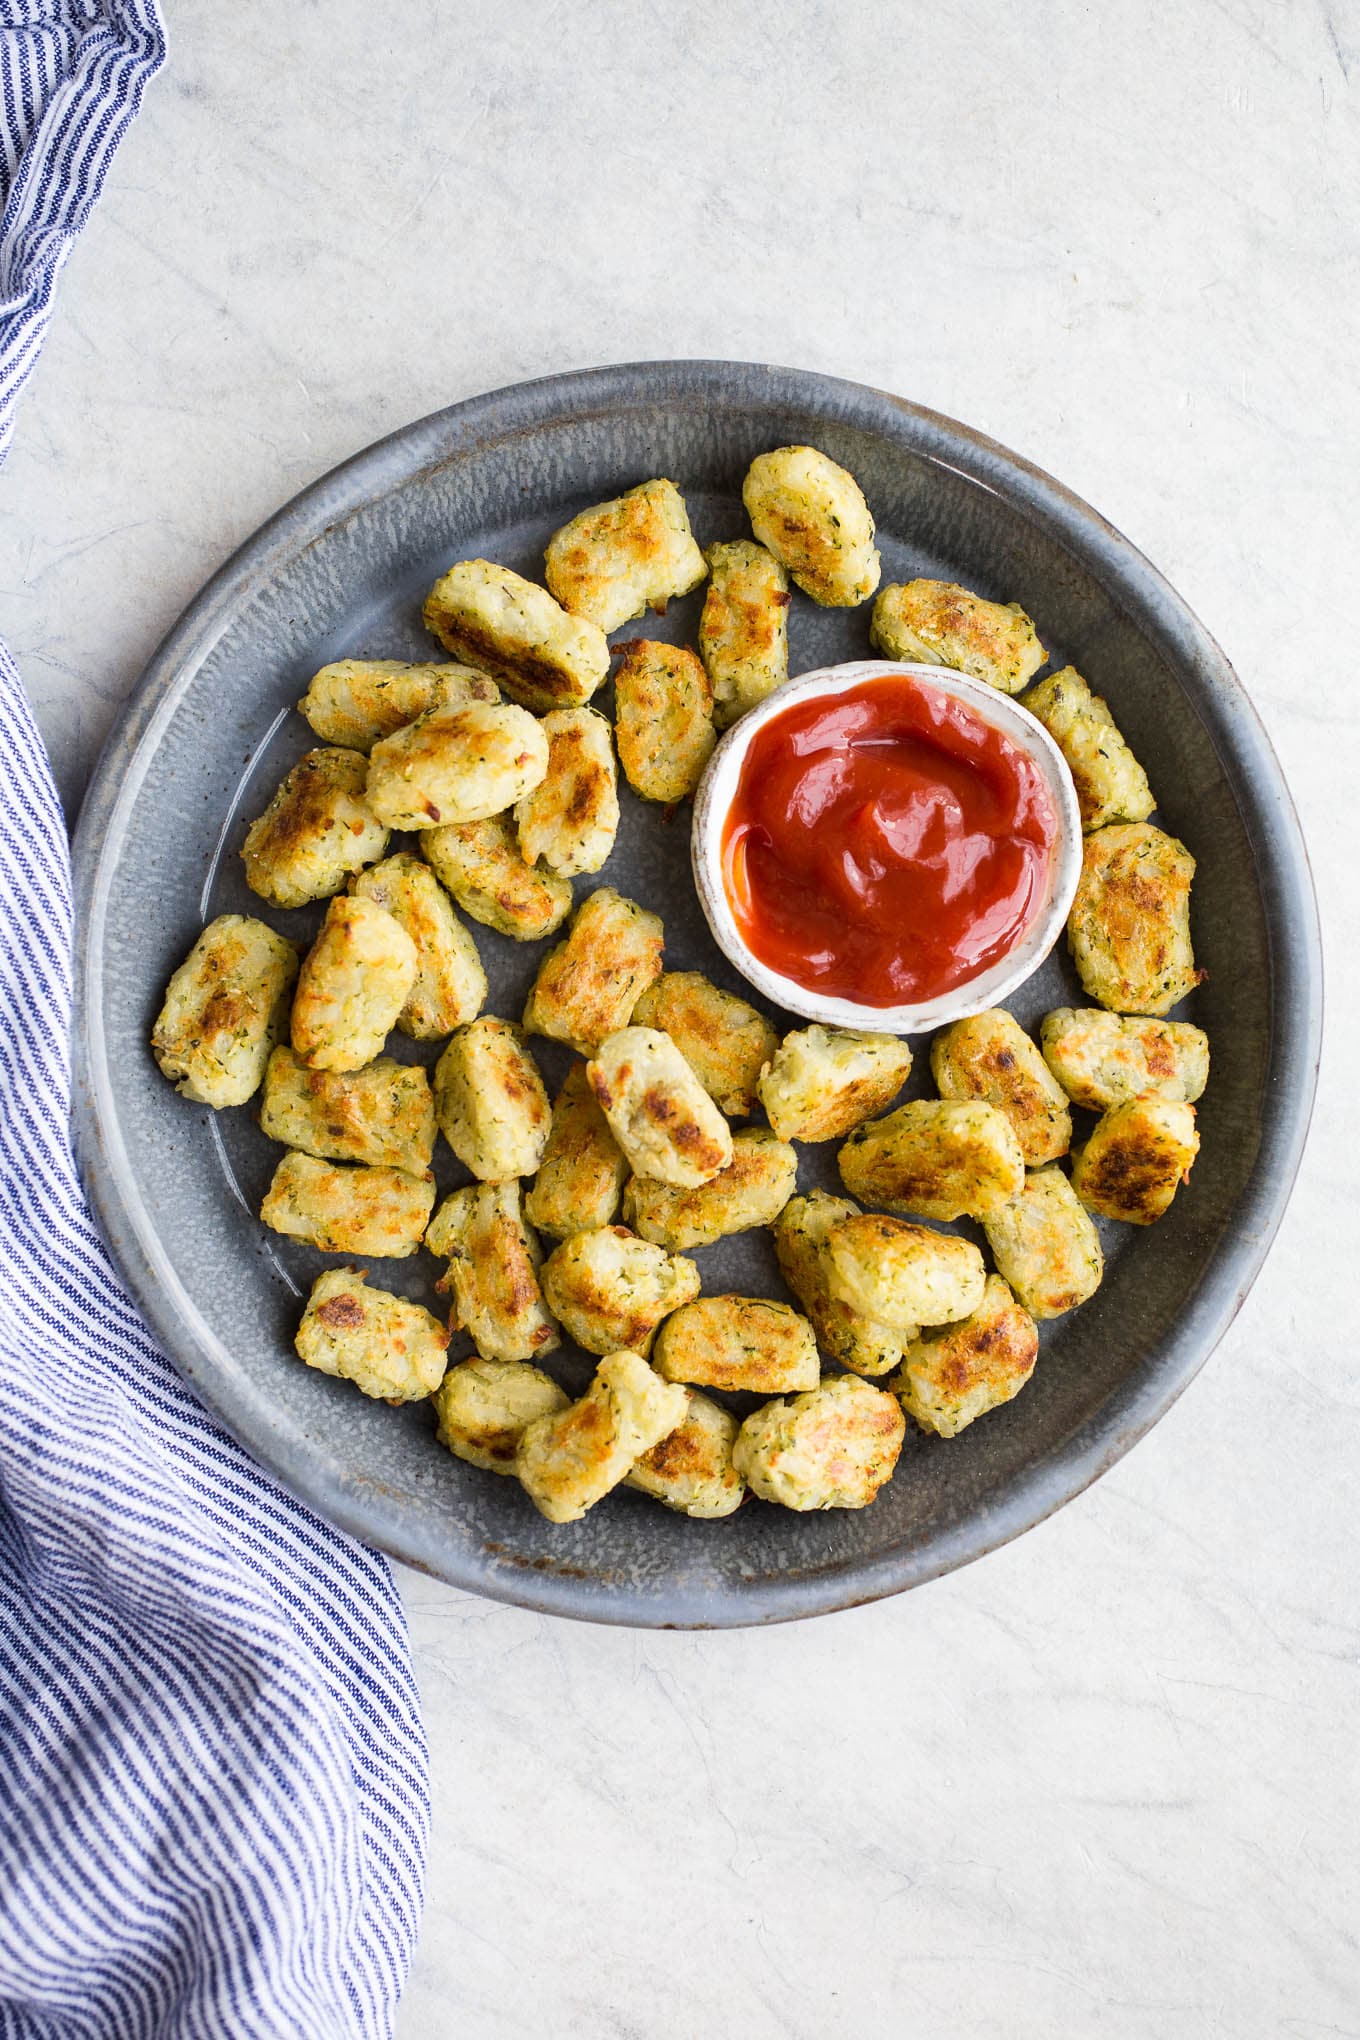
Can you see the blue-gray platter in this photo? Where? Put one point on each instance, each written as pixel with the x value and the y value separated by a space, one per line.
pixel 341 571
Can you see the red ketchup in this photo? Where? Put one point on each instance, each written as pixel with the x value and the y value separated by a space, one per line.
pixel 886 844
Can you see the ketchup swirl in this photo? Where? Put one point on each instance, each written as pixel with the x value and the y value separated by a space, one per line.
pixel 886 844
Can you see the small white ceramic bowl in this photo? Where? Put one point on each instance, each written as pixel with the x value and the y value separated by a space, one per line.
pixel 717 789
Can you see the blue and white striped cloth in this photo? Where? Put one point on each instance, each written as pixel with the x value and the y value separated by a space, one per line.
pixel 213 1787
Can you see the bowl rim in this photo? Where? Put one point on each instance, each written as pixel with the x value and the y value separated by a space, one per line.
pixel 1004 713
pixel 360 485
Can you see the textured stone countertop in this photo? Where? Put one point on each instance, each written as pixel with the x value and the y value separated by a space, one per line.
pixel 1104 1782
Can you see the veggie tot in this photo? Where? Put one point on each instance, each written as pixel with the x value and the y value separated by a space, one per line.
pixel 658 1111
pixel 317 829
pixel 382 1115
pixel 484 1408
pixel 990 1057
pixel 619 558
pixel 738 1342
pixel 609 1288
pixel 1137 1158
pixel 953 1375
pixel 581 1176
pixel 570 819
pixel 813 517
pixel 387 1347
pixel 224 1009
pixel 691 1470
pixel 357 702
pixel 937 623
pixel 901 1275
pixel 822 1082
pixel 1045 1245
pixel 507 627
pixel 725 1042
pixel 832 1448
pixel 490 1101
pixel 663 719
pixel 844 1335
pixel 480 864
pixel 1111 785
pixel 936 1159
pixel 587 987
pixel 569 1462
pixel 744 629
pixel 492 1274
pixel 1102 1059
pixel 1129 928
pixel 450 986
pixel 752 1190
pixel 355 980
pixel 463 763
pixel 348 1210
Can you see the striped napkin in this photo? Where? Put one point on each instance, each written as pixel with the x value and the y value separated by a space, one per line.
pixel 213 1789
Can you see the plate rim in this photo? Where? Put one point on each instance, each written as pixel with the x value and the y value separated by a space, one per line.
pixel 1250 766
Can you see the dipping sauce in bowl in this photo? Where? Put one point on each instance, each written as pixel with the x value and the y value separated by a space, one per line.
pixel 886 843
pixel 886 846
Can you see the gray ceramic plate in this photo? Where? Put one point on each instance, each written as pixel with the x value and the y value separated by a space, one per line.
pixel 342 570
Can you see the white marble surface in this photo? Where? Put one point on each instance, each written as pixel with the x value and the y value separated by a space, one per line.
pixel 1105 1782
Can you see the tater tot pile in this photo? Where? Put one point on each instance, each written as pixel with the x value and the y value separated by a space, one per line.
pixel 555 1170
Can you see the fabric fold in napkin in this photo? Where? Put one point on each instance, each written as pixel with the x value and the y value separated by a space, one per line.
pixel 213 1778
